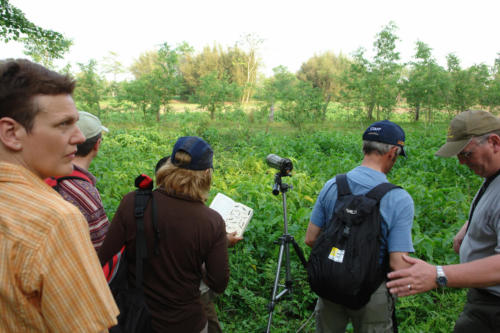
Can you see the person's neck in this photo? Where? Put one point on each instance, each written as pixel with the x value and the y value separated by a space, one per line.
pixel 493 176
pixel 82 162
pixel 375 162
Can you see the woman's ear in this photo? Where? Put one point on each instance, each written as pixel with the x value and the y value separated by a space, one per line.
pixel 11 133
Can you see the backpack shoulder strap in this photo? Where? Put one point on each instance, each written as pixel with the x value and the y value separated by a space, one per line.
pixel 110 268
pixel 142 197
pixel 51 181
pixel 54 181
pixel 154 222
pixel 79 175
pixel 145 183
pixel 343 188
pixel 380 190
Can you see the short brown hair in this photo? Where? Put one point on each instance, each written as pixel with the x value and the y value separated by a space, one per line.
pixel 194 184
pixel 83 149
pixel 20 81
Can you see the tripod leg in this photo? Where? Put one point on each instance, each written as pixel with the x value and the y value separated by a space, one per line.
pixel 288 273
pixel 275 286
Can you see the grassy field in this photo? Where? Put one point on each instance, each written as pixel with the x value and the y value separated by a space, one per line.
pixel 441 190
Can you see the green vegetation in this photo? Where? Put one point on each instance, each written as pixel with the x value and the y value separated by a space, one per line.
pixel 441 188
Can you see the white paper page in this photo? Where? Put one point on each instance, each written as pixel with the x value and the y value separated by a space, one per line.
pixel 235 215
pixel 238 219
pixel 223 205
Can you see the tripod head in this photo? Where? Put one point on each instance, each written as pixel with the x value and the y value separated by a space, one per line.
pixel 279 186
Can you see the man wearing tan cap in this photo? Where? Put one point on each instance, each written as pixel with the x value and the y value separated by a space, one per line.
pixel 79 187
pixel 474 138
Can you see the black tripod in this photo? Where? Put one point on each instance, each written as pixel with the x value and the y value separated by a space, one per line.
pixel 284 242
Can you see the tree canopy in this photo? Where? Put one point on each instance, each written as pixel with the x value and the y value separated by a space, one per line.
pixel 42 45
pixel 325 71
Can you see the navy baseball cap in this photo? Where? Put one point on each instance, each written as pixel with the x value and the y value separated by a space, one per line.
pixel 200 151
pixel 386 131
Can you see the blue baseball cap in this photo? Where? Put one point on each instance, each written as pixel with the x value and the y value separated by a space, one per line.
pixel 200 151
pixel 386 131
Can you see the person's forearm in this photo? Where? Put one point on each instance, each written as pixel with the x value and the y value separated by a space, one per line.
pixel 396 261
pixel 312 234
pixel 421 276
pixel 475 274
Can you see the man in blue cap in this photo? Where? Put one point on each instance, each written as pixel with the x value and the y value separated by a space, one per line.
pixel 383 142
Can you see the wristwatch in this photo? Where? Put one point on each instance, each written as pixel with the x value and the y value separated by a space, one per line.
pixel 441 278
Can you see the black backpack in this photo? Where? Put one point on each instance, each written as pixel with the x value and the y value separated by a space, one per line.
pixel 135 316
pixel 344 266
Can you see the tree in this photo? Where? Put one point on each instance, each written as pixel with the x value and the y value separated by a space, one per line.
pixel 387 68
pixel 325 71
pixel 137 92
pixel 213 92
pixel 145 64
pixel 493 92
pixel 41 44
pixel 158 80
pixel 299 101
pixel 360 84
pixel 461 95
pixel 480 80
pixel 306 103
pixel 90 88
pixel 112 66
pixel 194 66
pixel 234 65
pixel 425 85
pixel 167 77
pixel 250 62
pixel 375 82
pixel 279 87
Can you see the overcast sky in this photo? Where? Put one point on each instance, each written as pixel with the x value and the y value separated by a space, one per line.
pixel 293 31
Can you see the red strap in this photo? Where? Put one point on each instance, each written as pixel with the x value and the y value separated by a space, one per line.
pixel 106 270
pixel 110 272
pixel 52 181
pixel 80 174
pixel 144 182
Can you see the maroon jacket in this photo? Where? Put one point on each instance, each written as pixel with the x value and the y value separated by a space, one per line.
pixel 190 234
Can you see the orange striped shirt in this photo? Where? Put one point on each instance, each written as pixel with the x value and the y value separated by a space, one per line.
pixel 50 277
